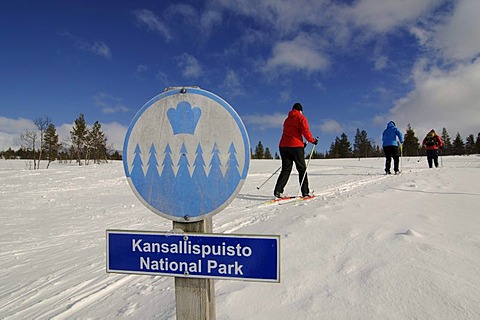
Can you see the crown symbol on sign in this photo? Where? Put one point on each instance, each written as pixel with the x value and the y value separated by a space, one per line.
pixel 184 119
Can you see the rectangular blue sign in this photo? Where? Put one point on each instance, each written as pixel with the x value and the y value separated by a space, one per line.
pixel 195 255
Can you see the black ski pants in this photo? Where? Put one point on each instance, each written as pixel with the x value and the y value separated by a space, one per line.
pixel 432 156
pixel 391 152
pixel 289 156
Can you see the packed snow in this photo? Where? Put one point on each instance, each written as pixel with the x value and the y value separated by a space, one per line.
pixel 370 246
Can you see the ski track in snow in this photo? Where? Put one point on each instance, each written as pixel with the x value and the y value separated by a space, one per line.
pixel 269 211
pixel 52 260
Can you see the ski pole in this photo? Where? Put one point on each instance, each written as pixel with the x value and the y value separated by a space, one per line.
pixel 401 156
pixel 258 188
pixel 305 174
pixel 441 156
pixel 420 158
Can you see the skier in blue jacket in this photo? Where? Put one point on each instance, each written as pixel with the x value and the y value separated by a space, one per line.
pixel 390 146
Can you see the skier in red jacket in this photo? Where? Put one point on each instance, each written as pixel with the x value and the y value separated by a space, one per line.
pixel 432 142
pixel 291 146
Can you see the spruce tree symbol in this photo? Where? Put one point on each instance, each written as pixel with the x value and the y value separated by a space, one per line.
pixel 152 178
pixel 216 181
pixel 167 181
pixel 183 186
pixel 199 177
pixel 232 176
pixel 137 175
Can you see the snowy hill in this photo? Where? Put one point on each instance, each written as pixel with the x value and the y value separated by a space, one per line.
pixel 370 247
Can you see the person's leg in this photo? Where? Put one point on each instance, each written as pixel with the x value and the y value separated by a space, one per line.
pixel 388 158
pixel 299 159
pixel 287 163
pixel 396 159
pixel 435 158
pixel 429 158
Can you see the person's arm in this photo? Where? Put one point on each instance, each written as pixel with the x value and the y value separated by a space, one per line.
pixel 400 136
pixel 440 141
pixel 306 130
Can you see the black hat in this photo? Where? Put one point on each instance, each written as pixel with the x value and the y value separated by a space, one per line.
pixel 297 106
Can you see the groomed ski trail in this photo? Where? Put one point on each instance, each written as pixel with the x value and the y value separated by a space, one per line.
pixel 252 213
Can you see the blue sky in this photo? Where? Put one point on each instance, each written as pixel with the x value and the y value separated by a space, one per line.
pixel 352 64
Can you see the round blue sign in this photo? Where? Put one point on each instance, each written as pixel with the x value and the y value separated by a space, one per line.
pixel 186 154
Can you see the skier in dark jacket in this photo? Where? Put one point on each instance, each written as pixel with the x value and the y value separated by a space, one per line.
pixel 390 146
pixel 432 142
pixel 291 146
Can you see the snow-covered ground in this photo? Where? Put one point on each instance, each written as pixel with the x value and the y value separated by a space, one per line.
pixel 370 247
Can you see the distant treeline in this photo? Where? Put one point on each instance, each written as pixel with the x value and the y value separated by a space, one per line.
pixel 364 147
pixel 84 146
pixel 90 145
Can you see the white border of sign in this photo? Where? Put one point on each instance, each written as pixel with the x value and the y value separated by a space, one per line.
pixel 276 238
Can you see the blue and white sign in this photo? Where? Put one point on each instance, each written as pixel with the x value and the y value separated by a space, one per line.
pixel 186 154
pixel 255 258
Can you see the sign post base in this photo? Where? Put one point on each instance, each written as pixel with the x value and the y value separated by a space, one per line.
pixel 195 297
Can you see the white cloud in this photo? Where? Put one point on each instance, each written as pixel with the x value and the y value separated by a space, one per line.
pixel 109 104
pixel 459 37
pixel 209 19
pixel 99 48
pixel 115 133
pixel 162 77
pixel 148 19
pixel 141 69
pixel 265 121
pixel 203 22
pixel 442 98
pixel 63 132
pixel 190 66
pixel 330 126
pixel 233 84
pixel 10 131
pixel 382 16
pixel 299 54
pixel 446 80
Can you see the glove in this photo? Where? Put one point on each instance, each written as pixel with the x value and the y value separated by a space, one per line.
pixel 315 142
pixel 304 144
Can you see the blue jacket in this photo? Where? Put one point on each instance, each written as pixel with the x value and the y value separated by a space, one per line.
pixel 390 135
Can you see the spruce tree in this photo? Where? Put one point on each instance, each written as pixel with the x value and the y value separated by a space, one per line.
pixel 447 143
pixel 334 151
pixel 78 135
pixel 458 147
pixel 345 149
pixel 97 143
pixel 477 144
pixel 259 151
pixel 362 146
pixel 411 145
pixel 470 144
pixel 51 144
pixel 268 155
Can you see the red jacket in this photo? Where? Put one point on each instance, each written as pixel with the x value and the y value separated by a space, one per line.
pixel 295 128
pixel 438 143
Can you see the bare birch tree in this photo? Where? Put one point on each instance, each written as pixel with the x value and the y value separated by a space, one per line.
pixel 30 140
pixel 42 124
